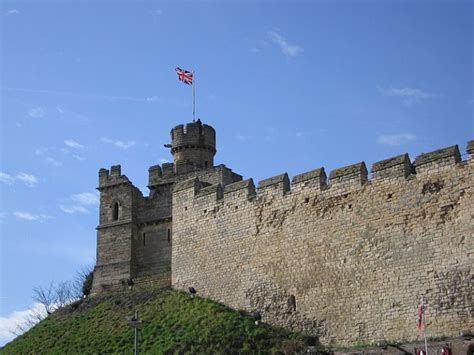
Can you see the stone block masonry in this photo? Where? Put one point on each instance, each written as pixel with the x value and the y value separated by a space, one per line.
pixel 345 258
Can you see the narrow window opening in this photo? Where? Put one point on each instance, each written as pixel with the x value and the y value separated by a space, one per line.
pixel 389 196
pixel 236 207
pixel 144 239
pixel 169 236
pixel 206 164
pixel 306 200
pixel 350 206
pixel 185 208
pixel 115 212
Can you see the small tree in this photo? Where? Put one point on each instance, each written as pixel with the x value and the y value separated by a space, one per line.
pixel 57 296
pixel 83 282
pixel 46 297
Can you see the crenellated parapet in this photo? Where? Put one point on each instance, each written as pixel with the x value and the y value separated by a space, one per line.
pixel 193 146
pixel 169 173
pixel 112 177
pixel 398 169
pixel 443 158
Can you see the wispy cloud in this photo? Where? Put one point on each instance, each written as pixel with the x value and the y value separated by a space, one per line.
pixel 27 216
pixel 73 144
pixel 6 179
pixel 36 112
pixel 50 154
pixel 79 203
pixel 70 114
pixel 243 137
pixel 289 50
pixel 78 157
pixel 396 139
pixel 163 160
pixel 20 321
pixel 27 179
pixel 52 161
pixel 73 209
pixel 89 96
pixel 118 143
pixel 408 95
pixel 45 153
pixel 13 12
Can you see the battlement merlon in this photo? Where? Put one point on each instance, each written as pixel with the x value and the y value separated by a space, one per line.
pixel 355 174
pixel 438 159
pixel 399 167
pixel 245 187
pixel 279 184
pixel 315 178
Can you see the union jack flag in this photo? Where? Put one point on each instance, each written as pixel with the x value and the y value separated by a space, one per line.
pixel 184 75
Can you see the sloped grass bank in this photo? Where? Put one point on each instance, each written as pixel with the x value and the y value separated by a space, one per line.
pixel 174 324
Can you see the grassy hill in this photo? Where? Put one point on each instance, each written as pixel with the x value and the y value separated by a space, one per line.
pixel 174 323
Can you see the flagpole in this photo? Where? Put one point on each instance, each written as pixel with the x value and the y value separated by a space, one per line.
pixel 194 98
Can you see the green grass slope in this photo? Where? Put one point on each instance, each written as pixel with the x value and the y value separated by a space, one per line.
pixel 174 324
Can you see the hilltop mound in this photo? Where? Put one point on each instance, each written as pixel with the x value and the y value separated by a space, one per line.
pixel 174 323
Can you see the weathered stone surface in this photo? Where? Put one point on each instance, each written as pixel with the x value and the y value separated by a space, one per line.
pixel 449 152
pixel 193 182
pixel 278 179
pixel 391 162
pixel 313 174
pixel 354 169
pixel 211 190
pixel 244 184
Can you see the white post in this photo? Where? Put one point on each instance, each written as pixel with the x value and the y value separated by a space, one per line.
pixel 194 98
pixel 135 343
pixel 424 325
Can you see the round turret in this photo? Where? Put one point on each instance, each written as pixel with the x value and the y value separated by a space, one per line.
pixel 193 144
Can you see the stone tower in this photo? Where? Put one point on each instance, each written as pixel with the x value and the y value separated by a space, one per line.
pixel 193 146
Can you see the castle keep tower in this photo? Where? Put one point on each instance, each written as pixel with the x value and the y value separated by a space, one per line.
pixel 193 145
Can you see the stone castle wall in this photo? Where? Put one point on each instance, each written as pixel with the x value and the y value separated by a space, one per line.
pixel 346 259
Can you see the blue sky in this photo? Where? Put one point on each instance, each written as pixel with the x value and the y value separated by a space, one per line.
pixel 289 86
